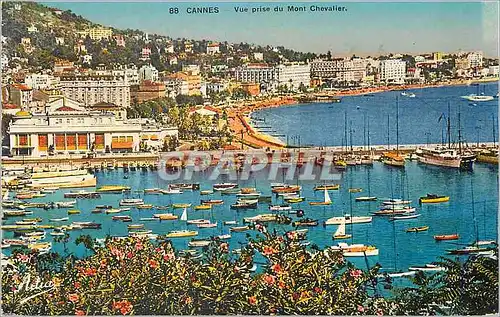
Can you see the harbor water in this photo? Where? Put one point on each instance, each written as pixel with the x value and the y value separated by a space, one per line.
pixel 422 119
pixel 397 247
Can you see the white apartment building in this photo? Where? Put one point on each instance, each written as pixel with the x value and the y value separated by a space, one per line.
pixel 169 48
pixel 341 70
pixel 475 59
pixel 392 71
pixel 42 81
pixel 213 48
pixel 258 56
pixel 98 34
pixel 91 89
pixel 294 75
pixel 192 69
pixel 493 71
pixel 148 72
pixel 130 73
pixel 257 73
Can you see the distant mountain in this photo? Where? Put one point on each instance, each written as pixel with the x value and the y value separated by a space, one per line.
pixel 45 27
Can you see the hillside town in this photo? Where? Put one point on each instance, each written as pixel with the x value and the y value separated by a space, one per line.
pixel 95 89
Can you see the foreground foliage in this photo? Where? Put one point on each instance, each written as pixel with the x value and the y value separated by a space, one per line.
pixel 135 276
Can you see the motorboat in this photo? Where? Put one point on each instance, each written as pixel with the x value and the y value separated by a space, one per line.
pixel 417 229
pixel 132 202
pixel 355 250
pixel 433 198
pixel 181 234
pixel 443 237
pixel 404 217
pixel 348 219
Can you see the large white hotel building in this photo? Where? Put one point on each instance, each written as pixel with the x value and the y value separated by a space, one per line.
pixel 292 75
pixel 91 89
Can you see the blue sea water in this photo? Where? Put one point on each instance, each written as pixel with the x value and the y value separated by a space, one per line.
pixel 397 248
pixel 322 124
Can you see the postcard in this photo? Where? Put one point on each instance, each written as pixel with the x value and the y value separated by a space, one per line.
pixel 249 158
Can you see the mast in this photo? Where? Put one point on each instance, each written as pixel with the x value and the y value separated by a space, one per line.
pixel 397 124
pixel 449 126
pixel 368 135
pixel 494 129
pixel 350 133
pixel 476 231
pixel 345 129
pixel 364 131
pixel 459 133
pixel 388 144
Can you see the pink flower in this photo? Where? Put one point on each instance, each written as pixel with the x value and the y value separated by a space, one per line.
pixel 168 256
pixel 252 300
pixel 73 298
pixel 139 246
pixel 269 279
pixel 380 312
pixel 76 285
pixel 153 264
pixel 79 312
pixel 276 268
pixel 355 273
pixel 361 308
pixel 130 255
pixel 23 257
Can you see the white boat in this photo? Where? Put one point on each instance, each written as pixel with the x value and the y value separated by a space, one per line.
pixel 440 156
pixel 280 208
pixel 404 217
pixel 231 222
pixel 396 202
pixel 198 243
pixel 396 274
pixel 65 204
pixel 224 186
pixel 171 191
pixel 348 219
pixel 197 221
pixel 340 233
pixel 427 268
pixel 59 219
pixel 247 196
pixel 148 219
pixel 355 250
pixel 57 232
pixel 131 202
pixel 224 236
pixel 207 225
pixel 474 97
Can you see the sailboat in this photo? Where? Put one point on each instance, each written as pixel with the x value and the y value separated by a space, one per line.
pixel 326 201
pixel 478 246
pixel 182 233
pixel 340 233
pixel 393 158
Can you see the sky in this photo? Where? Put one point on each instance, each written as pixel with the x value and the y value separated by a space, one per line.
pixel 369 28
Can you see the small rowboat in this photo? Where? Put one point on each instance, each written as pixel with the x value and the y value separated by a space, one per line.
pixel 366 198
pixel 230 222
pixel 73 212
pixel 404 217
pixel 203 207
pixel 433 199
pixel 176 206
pixel 135 226
pixel 181 234
pixel 427 268
pixel 113 211
pixel 206 192
pixel 120 217
pixel 212 202
pixel 417 229
pixel 198 243
pixel 327 187
pixel 148 219
pixel 446 237
pixel 145 206
pixel 197 221
pixel 96 211
pixel 207 225
pixel 239 229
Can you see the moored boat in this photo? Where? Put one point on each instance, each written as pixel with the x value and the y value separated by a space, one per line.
pixel 181 234
pixel 131 202
pixel 433 199
pixel 355 250
pixel 417 229
pixel 442 237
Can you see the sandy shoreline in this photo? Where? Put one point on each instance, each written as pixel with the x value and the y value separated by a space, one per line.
pixel 246 110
